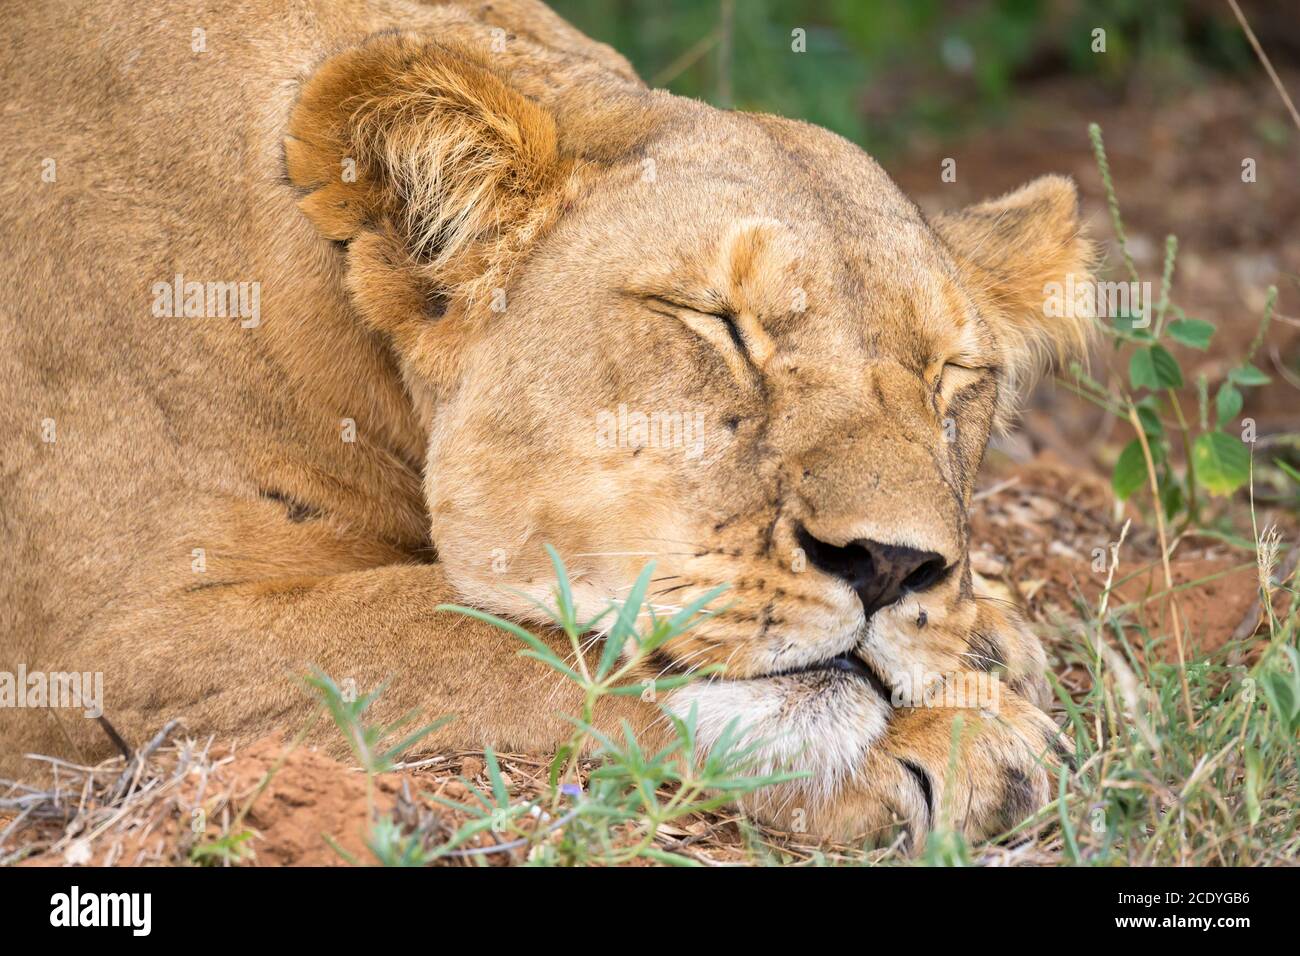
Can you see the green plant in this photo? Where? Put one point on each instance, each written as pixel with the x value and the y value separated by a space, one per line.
pixel 615 814
pixel 377 752
pixel 883 72
pixel 371 743
pixel 229 849
pixel 608 815
pixel 1216 462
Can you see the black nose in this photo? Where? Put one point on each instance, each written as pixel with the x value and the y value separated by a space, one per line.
pixel 880 573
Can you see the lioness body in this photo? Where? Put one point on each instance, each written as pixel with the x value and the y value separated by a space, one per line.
pixel 186 453
pixel 202 507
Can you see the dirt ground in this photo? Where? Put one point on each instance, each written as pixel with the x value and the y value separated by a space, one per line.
pixel 1043 514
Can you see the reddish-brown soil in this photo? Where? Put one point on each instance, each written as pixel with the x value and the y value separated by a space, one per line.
pixel 1045 535
pixel 302 806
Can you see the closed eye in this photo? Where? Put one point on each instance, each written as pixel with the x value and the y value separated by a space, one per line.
pixel 954 378
pixel 705 322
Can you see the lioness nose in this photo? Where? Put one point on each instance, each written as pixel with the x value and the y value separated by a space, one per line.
pixel 879 573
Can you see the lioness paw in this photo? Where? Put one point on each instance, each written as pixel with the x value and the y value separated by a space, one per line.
pixel 974 772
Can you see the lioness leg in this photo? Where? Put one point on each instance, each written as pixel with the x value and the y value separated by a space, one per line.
pixel 228 660
pixel 381 626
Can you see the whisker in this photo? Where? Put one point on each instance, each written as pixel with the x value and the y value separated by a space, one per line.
pixel 617 554
pixel 682 661
pixel 979 657
pixel 671 608
pixel 727 663
pixel 675 587
pixel 666 577
pixel 647 537
pixel 991 599
pixel 571 659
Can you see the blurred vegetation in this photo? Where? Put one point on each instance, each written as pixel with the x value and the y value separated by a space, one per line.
pixel 879 71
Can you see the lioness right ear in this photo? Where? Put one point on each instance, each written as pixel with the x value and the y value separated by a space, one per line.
pixel 431 152
pixel 1012 251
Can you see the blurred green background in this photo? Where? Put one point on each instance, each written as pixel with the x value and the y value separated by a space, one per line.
pixel 882 71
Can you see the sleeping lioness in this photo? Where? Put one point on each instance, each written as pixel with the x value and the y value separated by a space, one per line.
pixel 318 315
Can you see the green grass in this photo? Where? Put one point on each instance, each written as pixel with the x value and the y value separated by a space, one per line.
pixel 1181 765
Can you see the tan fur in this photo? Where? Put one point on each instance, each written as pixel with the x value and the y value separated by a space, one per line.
pixel 532 239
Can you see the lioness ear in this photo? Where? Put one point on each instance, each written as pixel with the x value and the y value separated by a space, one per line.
pixel 1018 252
pixel 428 146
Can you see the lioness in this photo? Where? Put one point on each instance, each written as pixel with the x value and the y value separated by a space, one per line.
pixel 317 315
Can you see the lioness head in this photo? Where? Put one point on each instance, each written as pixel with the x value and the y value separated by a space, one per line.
pixel 643 329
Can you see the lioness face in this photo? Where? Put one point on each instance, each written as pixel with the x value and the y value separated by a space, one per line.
pixel 730 347
pixel 746 357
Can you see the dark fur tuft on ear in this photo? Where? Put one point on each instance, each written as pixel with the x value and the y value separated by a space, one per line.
pixel 426 140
